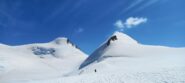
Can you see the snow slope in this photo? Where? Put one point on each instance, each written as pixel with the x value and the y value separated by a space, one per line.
pixel 165 76
pixel 121 59
pixel 39 61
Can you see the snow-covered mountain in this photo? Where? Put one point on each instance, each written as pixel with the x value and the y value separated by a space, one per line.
pixel 116 46
pixel 39 61
pixel 120 59
pixel 122 52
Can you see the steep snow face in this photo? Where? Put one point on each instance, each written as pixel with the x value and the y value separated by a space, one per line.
pixel 122 53
pixel 39 61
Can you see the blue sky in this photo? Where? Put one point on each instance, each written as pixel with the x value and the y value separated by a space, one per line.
pixel 89 22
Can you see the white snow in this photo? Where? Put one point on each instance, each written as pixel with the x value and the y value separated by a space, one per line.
pixel 20 62
pixel 123 60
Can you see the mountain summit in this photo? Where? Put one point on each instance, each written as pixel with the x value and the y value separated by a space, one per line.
pixel 124 38
pixel 115 46
pixel 60 40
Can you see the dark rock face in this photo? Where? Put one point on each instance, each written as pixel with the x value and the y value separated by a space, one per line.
pixel 69 42
pixel 113 38
pixel 43 51
pixel 60 41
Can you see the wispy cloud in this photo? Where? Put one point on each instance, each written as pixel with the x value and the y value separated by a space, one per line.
pixel 119 24
pixel 130 22
pixel 134 21
pixel 149 3
pixel 65 9
pixel 134 4
pixel 80 30
pixel 138 5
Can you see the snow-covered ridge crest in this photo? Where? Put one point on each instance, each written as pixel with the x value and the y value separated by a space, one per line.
pixel 124 38
pixel 60 40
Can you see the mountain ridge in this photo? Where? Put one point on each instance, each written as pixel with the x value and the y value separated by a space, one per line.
pixel 119 56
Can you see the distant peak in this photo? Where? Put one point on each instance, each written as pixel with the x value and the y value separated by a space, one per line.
pixel 64 40
pixel 60 40
pixel 120 36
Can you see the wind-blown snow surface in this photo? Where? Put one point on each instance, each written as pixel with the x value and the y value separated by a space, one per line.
pixel 122 59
